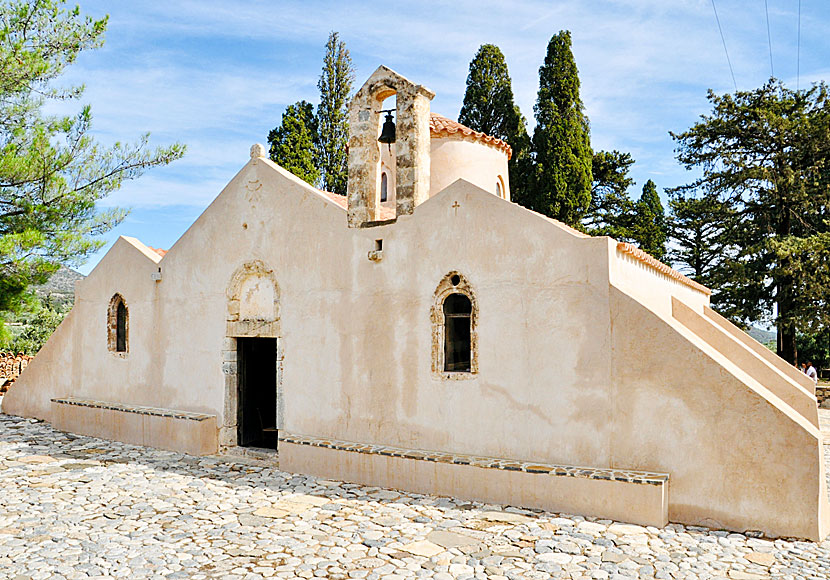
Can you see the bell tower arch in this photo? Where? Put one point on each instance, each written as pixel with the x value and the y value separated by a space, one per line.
pixel 412 146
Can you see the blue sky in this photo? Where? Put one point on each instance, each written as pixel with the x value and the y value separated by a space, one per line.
pixel 216 75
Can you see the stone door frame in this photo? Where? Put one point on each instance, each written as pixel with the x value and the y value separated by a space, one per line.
pixel 236 328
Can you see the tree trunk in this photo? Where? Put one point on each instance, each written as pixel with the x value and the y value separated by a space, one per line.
pixel 785 299
pixel 786 345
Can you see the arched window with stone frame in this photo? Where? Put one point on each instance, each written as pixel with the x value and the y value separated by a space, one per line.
pixel 454 328
pixel 118 325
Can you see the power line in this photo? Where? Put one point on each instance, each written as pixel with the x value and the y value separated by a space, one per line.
pixel 732 72
pixel 769 39
pixel 798 57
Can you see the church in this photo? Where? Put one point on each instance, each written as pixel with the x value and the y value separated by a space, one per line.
pixel 426 333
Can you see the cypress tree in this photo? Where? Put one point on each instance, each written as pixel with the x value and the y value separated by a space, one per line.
pixel 488 107
pixel 292 143
pixel 561 141
pixel 650 230
pixel 335 86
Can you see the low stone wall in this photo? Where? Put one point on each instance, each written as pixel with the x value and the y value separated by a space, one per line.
pixel 823 396
pixel 182 431
pixel 11 365
pixel 630 496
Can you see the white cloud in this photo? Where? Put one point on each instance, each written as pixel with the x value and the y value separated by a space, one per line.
pixel 216 75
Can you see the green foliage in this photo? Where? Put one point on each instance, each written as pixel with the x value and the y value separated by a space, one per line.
pixel 650 229
pixel 699 234
pixel 38 324
pixel 765 154
pixel 488 107
pixel 292 143
pixel 335 86
pixel 52 172
pixel 561 179
pixel 611 212
pixel 814 347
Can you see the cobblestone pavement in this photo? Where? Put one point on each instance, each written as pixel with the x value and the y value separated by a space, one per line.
pixel 78 507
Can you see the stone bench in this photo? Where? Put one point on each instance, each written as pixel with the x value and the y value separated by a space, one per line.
pixel 174 430
pixel 633 496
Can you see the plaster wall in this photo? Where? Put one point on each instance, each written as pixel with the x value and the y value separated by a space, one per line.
pixel 749 361
pixel 132 377
pixel 452 158
pixel 651 288
pixel 727 441
pixel 773 359
pixel 456 158
pixel 550 307
pixel 387 165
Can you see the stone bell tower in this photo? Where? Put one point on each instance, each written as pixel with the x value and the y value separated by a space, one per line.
pixel 412 146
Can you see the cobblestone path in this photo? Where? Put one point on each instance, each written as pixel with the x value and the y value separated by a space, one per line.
pixel 78 507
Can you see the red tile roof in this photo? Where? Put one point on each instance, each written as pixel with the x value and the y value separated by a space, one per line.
pixel 441 126
pixel 158 251
pixel 656 264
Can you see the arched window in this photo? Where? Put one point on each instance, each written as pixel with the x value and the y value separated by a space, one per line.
pixel 454 317
pixel 118 325
pixel 384 187
pixel 498 189
pixel 458 312
pixel 121 328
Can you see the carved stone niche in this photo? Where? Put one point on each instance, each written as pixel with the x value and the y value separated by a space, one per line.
pixel 412 146
pixel 253 302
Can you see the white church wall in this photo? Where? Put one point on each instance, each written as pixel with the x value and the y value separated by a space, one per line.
pixel 575 364
pixel 454 157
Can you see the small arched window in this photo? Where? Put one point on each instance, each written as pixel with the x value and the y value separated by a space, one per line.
pixel 384 187
pixel 498 189
pixel 454 316
pixel 118 325
pixel 458 311
pixel 121 328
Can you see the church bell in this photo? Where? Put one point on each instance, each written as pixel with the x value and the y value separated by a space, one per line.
pixel 387 134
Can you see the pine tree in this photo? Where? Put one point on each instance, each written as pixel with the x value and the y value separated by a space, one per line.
pixel 698 229
pixel 650 230
pixel 561 141
pixel 766 153
pixel 292 143
pixel 335 86
pixel 611 212
pixel 488 107
pixel 52 171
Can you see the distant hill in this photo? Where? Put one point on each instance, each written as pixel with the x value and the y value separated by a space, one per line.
pixel 61 286
pixel 762 336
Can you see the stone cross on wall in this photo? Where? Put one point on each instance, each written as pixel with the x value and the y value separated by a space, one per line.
pixel 412 146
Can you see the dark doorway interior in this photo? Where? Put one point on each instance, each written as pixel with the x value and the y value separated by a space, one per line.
pixel 257 401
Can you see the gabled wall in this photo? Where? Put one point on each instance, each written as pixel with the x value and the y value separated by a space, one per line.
pixel 365 350
pixel 76 361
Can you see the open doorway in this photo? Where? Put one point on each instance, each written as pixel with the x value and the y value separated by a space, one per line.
pixel 257 400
